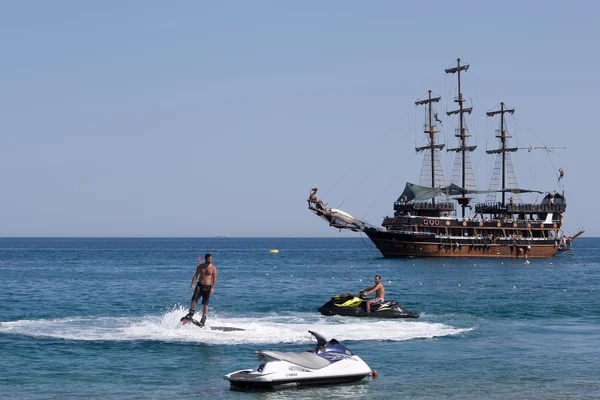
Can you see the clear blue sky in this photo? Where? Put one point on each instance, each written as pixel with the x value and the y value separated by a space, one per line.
pixel 148 118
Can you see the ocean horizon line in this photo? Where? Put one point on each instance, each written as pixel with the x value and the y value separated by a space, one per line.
pixel 178 237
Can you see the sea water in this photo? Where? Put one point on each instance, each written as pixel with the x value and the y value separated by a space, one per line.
pixel 99 318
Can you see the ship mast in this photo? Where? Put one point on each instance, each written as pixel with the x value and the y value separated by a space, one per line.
pixel 503 136
pixel 461 133
pixel 430 130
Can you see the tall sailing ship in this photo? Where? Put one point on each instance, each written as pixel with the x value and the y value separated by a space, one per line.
pixel 433 219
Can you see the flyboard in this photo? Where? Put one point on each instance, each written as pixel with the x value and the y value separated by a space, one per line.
pixel 187 319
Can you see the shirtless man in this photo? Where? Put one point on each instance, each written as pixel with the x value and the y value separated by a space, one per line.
pixel 379 293
pixel 312 197
pixel 207 279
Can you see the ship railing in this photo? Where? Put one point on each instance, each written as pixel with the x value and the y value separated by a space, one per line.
pixel 474 223
pixel 520 222
pixel 424 205
pixel 535 208
pixel 527 208
pixel 414 233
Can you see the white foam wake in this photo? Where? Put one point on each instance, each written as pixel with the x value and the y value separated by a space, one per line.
pixel 266 329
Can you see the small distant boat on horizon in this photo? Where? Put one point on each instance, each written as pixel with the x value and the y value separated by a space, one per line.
pixel 222 235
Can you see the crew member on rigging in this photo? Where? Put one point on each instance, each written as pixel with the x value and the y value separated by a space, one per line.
pixel 561 174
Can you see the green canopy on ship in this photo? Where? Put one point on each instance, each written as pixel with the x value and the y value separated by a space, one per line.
pixel 418 192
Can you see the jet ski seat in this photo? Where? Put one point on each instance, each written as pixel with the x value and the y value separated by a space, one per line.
pixel 306 359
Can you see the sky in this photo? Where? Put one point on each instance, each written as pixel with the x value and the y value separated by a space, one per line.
pixel 193 119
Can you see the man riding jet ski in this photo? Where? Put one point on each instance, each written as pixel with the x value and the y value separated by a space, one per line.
pixel 326 363
pixel 349 305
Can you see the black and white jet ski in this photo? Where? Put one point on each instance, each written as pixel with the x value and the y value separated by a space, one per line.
pixel 349 305
pixel 326 363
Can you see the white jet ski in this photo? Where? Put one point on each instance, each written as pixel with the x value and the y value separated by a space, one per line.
pixel 327 363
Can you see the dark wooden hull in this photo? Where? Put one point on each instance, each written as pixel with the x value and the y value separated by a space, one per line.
pixel 394 244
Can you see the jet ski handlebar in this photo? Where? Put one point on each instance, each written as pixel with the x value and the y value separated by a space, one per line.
pixel 321 341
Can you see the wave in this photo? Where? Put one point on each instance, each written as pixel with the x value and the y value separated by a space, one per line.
pixel 272 328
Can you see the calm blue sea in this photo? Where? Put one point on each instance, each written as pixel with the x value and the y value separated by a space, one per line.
pixel 99 318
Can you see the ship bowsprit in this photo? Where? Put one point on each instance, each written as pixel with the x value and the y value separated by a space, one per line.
pixel 337 218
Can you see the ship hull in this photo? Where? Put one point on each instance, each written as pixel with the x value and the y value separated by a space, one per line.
pixel 395 244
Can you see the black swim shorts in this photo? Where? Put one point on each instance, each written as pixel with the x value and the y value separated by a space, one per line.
pixel 202 290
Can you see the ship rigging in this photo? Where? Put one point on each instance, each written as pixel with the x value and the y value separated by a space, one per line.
pixel 425 222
